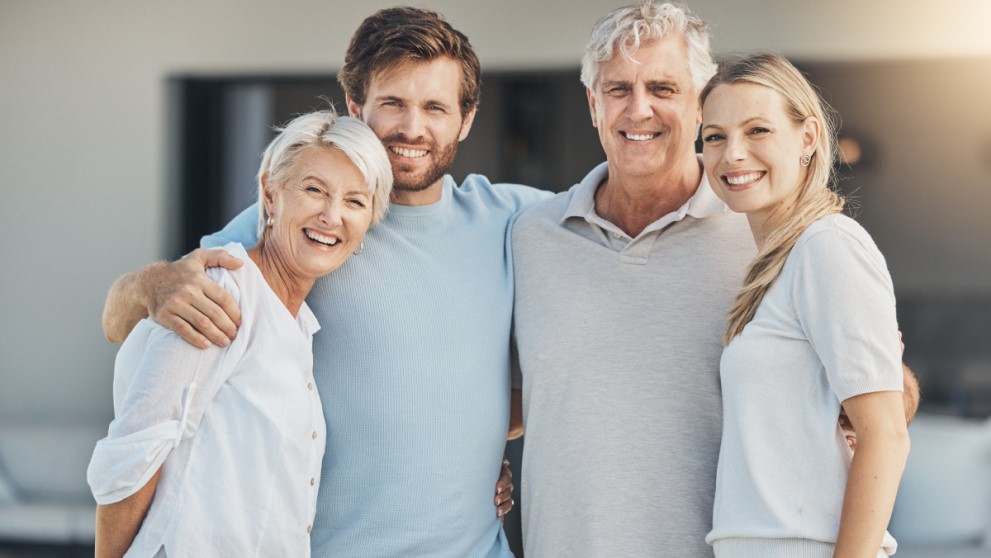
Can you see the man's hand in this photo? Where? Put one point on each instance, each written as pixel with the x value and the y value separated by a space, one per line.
pixel 178 295
pixel 504 491
pixel 910 399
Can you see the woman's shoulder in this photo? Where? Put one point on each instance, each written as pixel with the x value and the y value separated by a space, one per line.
pixel 836 238
pixel 234 280
pixel 837 228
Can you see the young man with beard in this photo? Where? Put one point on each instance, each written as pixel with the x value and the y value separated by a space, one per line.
pixel 412 361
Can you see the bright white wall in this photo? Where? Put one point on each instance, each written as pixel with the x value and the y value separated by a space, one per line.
pixel 84 125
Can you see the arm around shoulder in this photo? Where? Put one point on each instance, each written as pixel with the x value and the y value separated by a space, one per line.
pixel 127 303
pixel 178 295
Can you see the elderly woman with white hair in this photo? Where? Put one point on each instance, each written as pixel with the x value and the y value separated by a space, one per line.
pixel 217 452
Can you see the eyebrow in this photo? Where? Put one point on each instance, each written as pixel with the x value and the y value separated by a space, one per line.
pixel 382 98
pixel 744 123
pixel 648 83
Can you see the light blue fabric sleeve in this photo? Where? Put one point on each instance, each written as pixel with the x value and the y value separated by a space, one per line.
pixel 243 230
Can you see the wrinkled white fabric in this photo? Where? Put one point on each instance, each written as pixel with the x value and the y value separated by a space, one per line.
pixel 238 431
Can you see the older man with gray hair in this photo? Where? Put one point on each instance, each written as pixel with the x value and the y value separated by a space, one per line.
pixel 622 288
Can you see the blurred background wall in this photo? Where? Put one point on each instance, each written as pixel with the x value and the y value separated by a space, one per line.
pixel 90 114
pixel 87 168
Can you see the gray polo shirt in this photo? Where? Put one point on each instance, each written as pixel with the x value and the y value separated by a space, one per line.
pixel 619 341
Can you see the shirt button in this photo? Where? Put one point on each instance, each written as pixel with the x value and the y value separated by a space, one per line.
pixel 309 386
pixel 312 481
pixel 314 436
pixel 309 529
pixel 616 235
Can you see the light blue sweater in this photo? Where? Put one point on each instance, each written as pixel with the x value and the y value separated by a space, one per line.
pixel 412 364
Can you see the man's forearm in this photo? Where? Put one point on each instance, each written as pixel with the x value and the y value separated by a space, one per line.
pixel 126 304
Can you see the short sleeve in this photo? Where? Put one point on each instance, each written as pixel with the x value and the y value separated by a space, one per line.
pixel 845 303
pixel 162 385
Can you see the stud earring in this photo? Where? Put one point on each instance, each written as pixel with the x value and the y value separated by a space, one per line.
pixel 360 248
pixel 806 159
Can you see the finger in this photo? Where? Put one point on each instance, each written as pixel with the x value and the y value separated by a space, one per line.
pixel 183 329
pixel 220 307
pixel 504 495
pixel 505 477
pixel 178 314
pixel 852 442
pixel 505 508
pixel 219 258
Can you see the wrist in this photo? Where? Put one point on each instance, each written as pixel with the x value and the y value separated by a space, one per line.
pixel 142 289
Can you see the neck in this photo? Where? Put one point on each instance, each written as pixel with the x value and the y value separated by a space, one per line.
pixel 289 287
pixel 429 195
pixel 634 202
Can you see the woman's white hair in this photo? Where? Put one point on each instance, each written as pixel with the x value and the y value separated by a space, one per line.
pixel 326 129
pixel 627 28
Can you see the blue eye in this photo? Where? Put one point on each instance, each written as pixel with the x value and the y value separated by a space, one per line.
pixel 712 138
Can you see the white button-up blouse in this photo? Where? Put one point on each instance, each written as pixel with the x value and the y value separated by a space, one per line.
pixel 239 431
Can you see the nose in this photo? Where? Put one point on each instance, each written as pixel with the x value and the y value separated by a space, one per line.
pixel 735 150
pixel 411 124
pixel 331 214
pixel 638 108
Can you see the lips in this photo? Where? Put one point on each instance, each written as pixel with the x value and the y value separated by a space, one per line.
pixel 409 152
pixel 640 136
pixel 326 240
pixel 741 180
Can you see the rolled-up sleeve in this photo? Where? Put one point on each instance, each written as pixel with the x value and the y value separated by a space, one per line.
pixel 162 386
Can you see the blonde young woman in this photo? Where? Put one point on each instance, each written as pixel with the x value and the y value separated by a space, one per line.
pixel 217 452
pixel 812 329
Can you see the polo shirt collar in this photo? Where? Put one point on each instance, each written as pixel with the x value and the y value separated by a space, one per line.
pixel 703 203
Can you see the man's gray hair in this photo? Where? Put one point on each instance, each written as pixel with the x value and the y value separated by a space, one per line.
pixel 629 27
pixel 326 129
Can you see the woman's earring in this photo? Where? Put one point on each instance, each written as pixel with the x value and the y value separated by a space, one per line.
pixel 269 222
pixel 806 159
pixel 360 248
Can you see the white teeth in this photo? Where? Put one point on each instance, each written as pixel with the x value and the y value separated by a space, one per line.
pixel 744 178
pixel 638 137
pixel 328 240
pixel 414 153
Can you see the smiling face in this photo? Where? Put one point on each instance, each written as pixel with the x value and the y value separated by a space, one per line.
pixel 319 216
pixel 647 112
pixel 752 149
pixel 415 110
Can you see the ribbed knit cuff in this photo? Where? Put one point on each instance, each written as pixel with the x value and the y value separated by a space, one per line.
pixel 774 548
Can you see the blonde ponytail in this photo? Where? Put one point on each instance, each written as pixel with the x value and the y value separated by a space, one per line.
pixel 816 199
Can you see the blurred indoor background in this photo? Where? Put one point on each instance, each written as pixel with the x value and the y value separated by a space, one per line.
pixel 130 128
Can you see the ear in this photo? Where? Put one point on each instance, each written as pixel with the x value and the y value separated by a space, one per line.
pixel 268 189
pixel 810 134
pixel 354 109
pixel 466 123
pixel 592 101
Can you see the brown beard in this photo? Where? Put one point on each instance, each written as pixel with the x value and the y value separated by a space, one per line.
pixel 442 160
